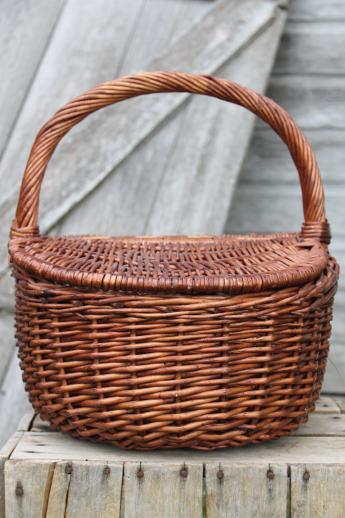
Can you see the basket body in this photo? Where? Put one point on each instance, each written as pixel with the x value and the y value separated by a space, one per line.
pixel 148 371
pixel 204 342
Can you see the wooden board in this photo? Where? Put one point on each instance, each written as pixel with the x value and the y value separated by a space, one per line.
pixel 23 41
pixel 50 474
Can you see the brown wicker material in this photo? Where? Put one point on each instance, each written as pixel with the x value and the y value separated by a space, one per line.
pixel 201 342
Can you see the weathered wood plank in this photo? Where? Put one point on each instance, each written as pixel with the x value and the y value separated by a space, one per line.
pixel 153 489
pixel 13 400
pixel 23 41
pixel 27 486
pixel 246 491
pixel 311 10
pixel 85 489
pixel 5 453
pixel 327 405
pixel 278 210
pixel 305 49
pixel 317 491
pixel 186 166
pixel 57 446
pixel 315 104
pixel 268 161
pixel 323 425
pixel 6 341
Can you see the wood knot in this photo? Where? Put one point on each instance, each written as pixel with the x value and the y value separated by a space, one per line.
pixel 306 476
pixel 19 489
pixel 68 468
pixel 184 471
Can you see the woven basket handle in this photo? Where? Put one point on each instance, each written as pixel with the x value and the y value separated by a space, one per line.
pixel 315 222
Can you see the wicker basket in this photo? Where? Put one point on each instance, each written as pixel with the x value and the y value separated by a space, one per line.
pixel 200 342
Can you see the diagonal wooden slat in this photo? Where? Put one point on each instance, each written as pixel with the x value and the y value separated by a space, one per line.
pixel 23 40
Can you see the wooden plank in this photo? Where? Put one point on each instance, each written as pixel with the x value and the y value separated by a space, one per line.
pixel 134 123
pixel 13 401
pixel 323 425
pixel 315 104
pixel 311 10
pixel 27 486
pixel 340 400
pixel 57 446
pixel 6 341
pixel 305 48
pixel 268 161
pixel 272 211
pixel 173 490
pixel 23 41
pixel 317 491
pixel 5 453
pixel 86 489
pixel 246 491
pixel 327 405
pixel 186 167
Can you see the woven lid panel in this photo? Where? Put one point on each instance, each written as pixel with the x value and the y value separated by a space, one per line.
pixel 185 264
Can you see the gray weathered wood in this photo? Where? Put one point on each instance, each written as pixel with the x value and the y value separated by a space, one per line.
pixel 24 36
pixel 13 400
pixel 317 10
pixel 327 405
pixel 322 495
pixel 90 490
pixel 186 168
pixel 322 43
pixel 5 453
pixel 27 487
pixel 56 446
pixel 246 491
pixel 162 491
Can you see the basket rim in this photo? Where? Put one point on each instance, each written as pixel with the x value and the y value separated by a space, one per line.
pixel 295 261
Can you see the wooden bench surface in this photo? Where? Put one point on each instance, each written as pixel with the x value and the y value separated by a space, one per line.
pixel 46 473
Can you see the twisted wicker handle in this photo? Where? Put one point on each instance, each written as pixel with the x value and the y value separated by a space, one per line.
pixel 315 224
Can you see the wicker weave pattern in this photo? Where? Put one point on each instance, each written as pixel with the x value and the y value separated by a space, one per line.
pixel 157 372
pixel 147 343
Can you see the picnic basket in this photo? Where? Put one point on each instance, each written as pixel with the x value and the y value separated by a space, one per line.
pixel 162 342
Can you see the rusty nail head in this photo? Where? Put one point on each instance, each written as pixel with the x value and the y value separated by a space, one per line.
pixel 140 472
pixel 106 471
pixel 306 476
pixel 19 489
pixel 68 468
pixel 220 474
pixel 270 474
pixel 184 471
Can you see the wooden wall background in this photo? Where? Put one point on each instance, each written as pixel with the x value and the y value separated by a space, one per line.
pixel 116 173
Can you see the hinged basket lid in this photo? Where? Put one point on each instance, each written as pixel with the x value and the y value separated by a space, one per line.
pixel 180 264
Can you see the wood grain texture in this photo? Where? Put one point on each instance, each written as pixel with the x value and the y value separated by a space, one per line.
pixel 316 39
pixel 86 489
pixel 27 488
pixel 23 41
pixel 162 491
pixel 246 491
pixel 317 491
pixel 311 10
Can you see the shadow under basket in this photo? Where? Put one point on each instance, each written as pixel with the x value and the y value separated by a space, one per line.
pixel 166 342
